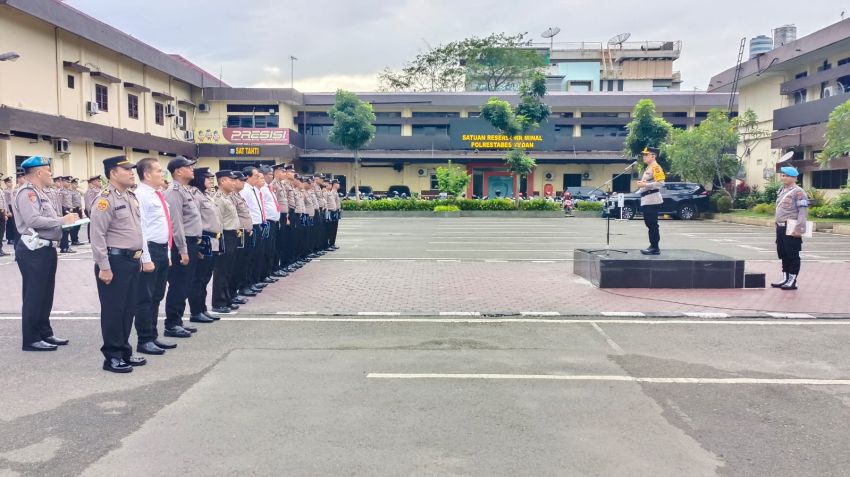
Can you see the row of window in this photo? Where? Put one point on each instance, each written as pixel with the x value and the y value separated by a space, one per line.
pixel 101 97
pixel 475 114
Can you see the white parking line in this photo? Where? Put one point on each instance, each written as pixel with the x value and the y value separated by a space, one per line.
pixel 706 314
pixel 615 378
pixel 790 315
pixel 622 313
pixel 378 313
pixel 460 313
pixel 540 313
pixel 608 339
pixel 296 313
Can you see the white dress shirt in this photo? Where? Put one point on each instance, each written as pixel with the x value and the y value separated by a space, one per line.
pixel 269 205
pixel 252 198
pixel 154 224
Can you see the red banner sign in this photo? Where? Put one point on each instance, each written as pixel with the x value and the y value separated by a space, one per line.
pixel 256 135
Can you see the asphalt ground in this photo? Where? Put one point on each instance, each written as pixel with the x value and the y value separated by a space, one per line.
pixel 451 393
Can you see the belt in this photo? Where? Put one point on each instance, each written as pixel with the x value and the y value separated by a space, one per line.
pixel 648 192
pixel 45 243
pixel 214 235
pixel 133 254
pixel 155 244
pixel 781 224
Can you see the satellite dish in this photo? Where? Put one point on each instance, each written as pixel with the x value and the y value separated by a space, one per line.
pixel 786 157
pixel 619 39
pixel 550 32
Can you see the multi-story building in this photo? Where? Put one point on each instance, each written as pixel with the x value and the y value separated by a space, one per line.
pixel 150 103
pixel 793 88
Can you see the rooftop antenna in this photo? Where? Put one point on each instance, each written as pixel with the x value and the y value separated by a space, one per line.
pixel 550 34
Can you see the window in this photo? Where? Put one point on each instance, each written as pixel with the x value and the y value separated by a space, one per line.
pixel 579 86
pixel 388 129
pixel 801 75
pixel 599 114
pixel 435 184
pixel 435 114
pixel 101 97
pixel 387 114
pixel 252 108
pixel 71 81
pixel 572 180
pixel 604 131
pixel 825 66
pixel 675 114
pixel 800 96
pixel 475 114
pixel 430 130
pixel 315 129
pixel 564 131
pixel 843 61
pixel 159 113
pixel 620 84
pixel 133 106
pixel 182 115
pixel 834 179
pixel 701 114
pixel 568 114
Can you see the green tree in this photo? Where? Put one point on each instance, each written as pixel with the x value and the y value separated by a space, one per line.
pixel 647 130
pixel 452 179
pixel 516 122
pixel 705 154
pixel 493 63
pixel 837 135
pixel 352 128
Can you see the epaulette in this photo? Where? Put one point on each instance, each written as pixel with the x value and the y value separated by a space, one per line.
pixel 105 192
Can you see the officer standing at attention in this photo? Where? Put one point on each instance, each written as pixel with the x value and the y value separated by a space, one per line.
pixel 91 194
pixel 239 275
pixel 792 203
pixel 650 198
pixel 76 207
pixel 116 243
pixel 63 193
pixel 222 297
pixel 36 255
pixel 208 249
pixel 157 241
pixel 186 227
pixel 279 191
pixel 251 194
pixel 4 207
pixel 272 211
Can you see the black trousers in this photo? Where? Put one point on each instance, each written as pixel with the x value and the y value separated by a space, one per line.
pixel 255 254
pixel 198 290
pixel 788 249
pixel 334 230
pixel 271 249
pixel 650 219
pixel 320 240
pixel 75 231
pixel 292 239
pixel 2 227
pixel 65 243
pixel 222 291
pixel 179 281
pixel 38 279
pixel 117 305
pixel 150 292
pixel 11 230
pixel 239 277
pixel 282 231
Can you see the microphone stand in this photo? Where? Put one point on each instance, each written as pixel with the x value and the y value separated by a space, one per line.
pixel 607 248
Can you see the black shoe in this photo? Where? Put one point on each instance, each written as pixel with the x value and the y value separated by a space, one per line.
pixel 136 361
pixel 39 346
pixel 289 269
pixel 200 318
pixel 177 332
pixel 321 253
pixel 279 274
pixel 232 307
pixel 238 301
pixel 55 341
pixel 116 365
pixel 335 247
pixel 246 292
pixel 210 316
pixel 164 345
pixel 791 283
pixel 781 281
pixel 190 329
pixel 149 348
pixel 76 244
pixel 67 250
pixel 10 242
pixel 260 285
pixel 269 280
pixel 221 309
pixel 651 251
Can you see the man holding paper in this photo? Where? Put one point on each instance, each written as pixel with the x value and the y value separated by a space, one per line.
pixel 792 205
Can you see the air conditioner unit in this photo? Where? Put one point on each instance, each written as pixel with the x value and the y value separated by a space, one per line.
pixel 180 123
pixel 91 108
pixel 830 91
pixel 190 135
pixel 62 145
pixel 422 172
pixel 170 110
pixel 548 176
pixel 586 176
pixel 204 107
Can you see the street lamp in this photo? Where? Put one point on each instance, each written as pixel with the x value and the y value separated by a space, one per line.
pixel 9 56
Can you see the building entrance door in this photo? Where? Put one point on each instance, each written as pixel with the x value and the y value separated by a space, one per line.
pixel 500 186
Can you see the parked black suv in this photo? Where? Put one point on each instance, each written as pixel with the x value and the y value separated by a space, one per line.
pixel 683 200
pixel 366 193
pixel 398 192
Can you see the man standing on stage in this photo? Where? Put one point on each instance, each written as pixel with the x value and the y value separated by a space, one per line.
pixel 650 198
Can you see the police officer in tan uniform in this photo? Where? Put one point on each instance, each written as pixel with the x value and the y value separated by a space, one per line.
pixel 650 185
pixel 208 250
pixel 63 192
pixel 92 192
pixel 4 207
pixel 239 287
pixel 222 294
pixel 792 204
pixel 40 229
pixel 279 190
pixel 76 207
pixel 116 242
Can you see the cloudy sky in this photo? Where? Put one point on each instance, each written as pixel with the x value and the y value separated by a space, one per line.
pixel 345 43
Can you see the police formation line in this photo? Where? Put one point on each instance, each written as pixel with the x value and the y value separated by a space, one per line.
pixel 242 230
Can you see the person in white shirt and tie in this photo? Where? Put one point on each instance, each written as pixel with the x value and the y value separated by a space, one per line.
pixel 157 238
pixel 272 211
pixel 251 194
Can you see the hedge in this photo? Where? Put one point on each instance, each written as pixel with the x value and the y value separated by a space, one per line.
pixel 590 206
pixel 461 204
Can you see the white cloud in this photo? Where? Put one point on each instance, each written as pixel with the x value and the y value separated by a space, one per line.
pixel 325 83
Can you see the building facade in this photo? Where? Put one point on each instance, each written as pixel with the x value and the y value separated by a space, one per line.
pixel 81 91
pixel 793 88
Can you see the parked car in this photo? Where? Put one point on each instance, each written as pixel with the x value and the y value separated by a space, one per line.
pixel 398 192
pixel 682 200
pixel 366 193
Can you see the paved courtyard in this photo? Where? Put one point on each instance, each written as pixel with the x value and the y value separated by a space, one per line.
pixel 454 347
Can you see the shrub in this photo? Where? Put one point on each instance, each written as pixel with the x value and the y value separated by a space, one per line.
pixel 769 209
pixel 446 208
pixel 714 200
pixel 461 204
pixel 829 212
pixel 771 191
pixel 539 204
pixel 590 206
pixel 816 197
pixel 723 203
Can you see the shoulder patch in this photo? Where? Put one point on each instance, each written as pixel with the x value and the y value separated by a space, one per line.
pixel 32 196
pixel 102 205
pixel 105 193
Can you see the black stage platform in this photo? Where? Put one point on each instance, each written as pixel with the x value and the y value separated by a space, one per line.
pixel 671 269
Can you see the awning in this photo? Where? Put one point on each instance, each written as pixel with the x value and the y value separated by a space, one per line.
pixel 136 87
pixel 105 77
pixel 185 102
pixel 74 66
pixel 157 94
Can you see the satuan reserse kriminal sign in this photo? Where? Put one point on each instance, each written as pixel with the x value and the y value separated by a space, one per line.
pixel 476 133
